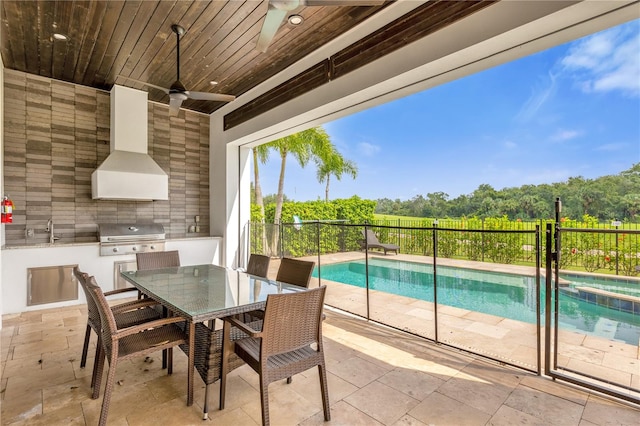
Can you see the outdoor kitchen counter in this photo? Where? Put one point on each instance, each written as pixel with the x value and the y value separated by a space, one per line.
pixel 90 243
pixel 46 245
pixel 16 259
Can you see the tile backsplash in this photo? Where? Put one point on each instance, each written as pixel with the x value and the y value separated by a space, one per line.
pixel 57 133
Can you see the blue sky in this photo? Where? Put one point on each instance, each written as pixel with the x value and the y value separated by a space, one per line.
pixel 573 110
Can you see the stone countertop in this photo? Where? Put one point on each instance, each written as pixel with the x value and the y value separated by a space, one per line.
pixel 194 238
pixel 85 243
pixel 47 245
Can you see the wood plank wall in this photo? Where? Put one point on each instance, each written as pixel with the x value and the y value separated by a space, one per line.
pixel 56 135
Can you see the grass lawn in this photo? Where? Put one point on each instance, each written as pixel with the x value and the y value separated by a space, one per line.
pixel 394 217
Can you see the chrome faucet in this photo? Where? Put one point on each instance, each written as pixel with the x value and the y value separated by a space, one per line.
pixel 52 238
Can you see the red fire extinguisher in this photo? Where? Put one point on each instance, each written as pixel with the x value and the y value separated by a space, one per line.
pixel 7 210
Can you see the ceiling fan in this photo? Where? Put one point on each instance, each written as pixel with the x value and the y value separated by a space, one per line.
pixel 278 10
pixel 177 92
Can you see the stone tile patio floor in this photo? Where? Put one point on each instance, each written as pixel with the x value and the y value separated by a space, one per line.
pixel 497 337
pixel 377 376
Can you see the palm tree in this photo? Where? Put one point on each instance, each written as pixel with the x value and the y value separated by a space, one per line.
pixel 309 144
pixel 301 145
pixel 260 155
pixel 333 163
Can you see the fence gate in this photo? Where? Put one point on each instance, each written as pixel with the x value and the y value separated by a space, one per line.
pixel 591 350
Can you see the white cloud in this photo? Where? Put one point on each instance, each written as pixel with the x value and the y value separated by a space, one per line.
pixel 538 98
pixel 607 61
pixel 610 147
pixel 510 145
pixel 565 135
pixel 368 149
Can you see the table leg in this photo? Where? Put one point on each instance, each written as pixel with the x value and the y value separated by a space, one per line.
pixel 192 355
pixel 165 314
pixel 224 360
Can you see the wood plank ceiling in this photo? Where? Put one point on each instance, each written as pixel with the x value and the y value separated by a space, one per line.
pixel 109 40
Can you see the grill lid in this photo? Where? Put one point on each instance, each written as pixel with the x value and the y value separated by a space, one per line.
pixel 121 232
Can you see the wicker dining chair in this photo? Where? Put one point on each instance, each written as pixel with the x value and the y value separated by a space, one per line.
pixel 208 340
pixel 291 271
pixel 290 342
pixel 124 343
pixel 208 355
pixel 126 314
pixel 295 271
pixel 258 265
pixel 157 260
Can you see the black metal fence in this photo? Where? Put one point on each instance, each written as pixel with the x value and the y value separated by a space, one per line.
pixel 419 288
pixel 437 293
pixel 601 250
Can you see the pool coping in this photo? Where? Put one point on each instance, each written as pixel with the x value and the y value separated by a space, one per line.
pixel 606 293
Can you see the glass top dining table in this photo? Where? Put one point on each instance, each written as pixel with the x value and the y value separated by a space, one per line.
pixel 201 293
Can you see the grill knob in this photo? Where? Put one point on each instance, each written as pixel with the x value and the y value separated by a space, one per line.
pixel 115 249
pixel 135 248
pixel 152 247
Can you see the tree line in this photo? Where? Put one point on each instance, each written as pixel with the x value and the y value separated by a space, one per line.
pixel 612 197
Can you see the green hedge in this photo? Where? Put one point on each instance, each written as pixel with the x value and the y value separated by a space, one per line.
pixel 593 252
pixel 301 239
pixel 351 210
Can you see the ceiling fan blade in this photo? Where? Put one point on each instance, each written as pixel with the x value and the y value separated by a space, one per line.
pixel 177 92
pixel 165 90
pixel 270 26
pixel 206 96
pixel 174 105
pixel 342 2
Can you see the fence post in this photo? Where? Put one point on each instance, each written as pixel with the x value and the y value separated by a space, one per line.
pixel 538 294
pixel 556 239
pixel 248 240
pixel 435 279
pixel 482 235
pixel 547 299
pixel 617 254
pixel 281 232
pixel 366 264
pixel 318 242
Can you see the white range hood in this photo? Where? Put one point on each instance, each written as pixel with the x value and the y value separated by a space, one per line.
pixel 129 173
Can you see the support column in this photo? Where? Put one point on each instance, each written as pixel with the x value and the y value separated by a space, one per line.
pixel 230 182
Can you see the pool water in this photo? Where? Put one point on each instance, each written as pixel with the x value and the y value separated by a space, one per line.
pixel 616 285
pixel 504 295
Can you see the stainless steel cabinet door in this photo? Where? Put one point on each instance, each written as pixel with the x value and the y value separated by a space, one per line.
pixel 50 284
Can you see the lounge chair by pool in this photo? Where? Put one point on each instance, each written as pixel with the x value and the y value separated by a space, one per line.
pixel 372 242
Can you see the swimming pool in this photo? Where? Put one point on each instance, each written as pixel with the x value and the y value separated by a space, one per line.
pixel 617 284
pixel 504 295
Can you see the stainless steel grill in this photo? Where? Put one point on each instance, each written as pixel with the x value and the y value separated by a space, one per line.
pixel 118 238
